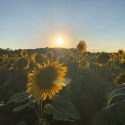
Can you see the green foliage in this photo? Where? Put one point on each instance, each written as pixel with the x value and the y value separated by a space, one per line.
pixel 18 98
pixel 78 101
pixel 62 109
pixel 118 94
pixel 114 112
pixel 22 107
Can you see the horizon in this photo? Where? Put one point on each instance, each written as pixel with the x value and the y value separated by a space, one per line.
pixel 101 51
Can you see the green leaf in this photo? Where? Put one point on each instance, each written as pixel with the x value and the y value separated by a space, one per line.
pixel 19 108
pixel 62 109
pixel 114 114
pixel 18 98
pixel 1 103
pixel 118 94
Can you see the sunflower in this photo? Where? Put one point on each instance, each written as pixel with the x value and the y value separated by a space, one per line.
pixel 46 81
pixel 103 59
pixel 121 60
pixel 24 53
pixel 37 58
pixel 9 63
pixel 50 55
pixel 21 63
pixel 70 55
pixel 4 57
pixel 82 46
pixel 15 55
pixel 83 64
pixel 121 52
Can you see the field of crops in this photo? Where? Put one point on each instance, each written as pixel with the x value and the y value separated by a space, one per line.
pixel 56 86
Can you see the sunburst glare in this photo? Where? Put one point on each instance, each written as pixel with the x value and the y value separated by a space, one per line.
pixel 59 42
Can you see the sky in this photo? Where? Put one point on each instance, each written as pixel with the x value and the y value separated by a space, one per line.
pixel 37 23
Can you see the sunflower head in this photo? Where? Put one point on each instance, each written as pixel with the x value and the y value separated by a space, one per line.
pixel 50 55
pixel 5 57
pixel 9 64
pixel 82 46
pixel 24 53
pixel 121 52
pixel 46 81
pixel 83 64
pixel 70 55
pixel 103 59
pixel 37 58
pixel 15 55
pixel 120 79
pixel 21 63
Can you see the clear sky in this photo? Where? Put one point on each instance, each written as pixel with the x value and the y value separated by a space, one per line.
pixel 37 23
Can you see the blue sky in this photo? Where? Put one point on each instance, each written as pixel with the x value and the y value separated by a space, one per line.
pixel 36 23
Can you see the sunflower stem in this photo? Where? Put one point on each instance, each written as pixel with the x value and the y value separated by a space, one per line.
pixel 41 108
pixel 37 113
pixel 41 112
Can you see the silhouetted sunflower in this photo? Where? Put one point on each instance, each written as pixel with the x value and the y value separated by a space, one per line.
pixel 24 53
pixel 46 81
pixel 103 59
pixel 82 46
pixel 121 52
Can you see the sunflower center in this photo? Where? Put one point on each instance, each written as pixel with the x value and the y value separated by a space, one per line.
pixel 46 77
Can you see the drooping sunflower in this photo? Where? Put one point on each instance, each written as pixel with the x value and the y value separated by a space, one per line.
pixel 24 53
pixel 46 81
pixel 82 46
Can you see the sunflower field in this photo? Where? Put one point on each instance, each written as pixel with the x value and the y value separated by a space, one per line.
pixel 58 86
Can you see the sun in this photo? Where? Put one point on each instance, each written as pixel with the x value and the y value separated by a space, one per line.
pixel 59 41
